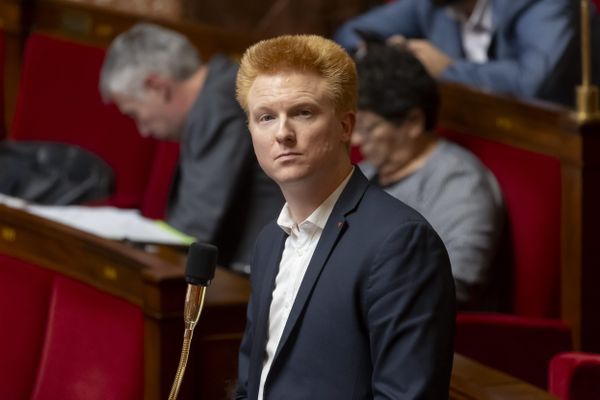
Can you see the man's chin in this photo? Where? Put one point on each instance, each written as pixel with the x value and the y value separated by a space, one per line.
pixel 288 179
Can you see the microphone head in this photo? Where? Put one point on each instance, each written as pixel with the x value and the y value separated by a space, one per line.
pixel 201 264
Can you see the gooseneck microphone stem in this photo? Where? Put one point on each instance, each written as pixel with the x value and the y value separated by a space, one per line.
pixel 200 270
pixel 194 301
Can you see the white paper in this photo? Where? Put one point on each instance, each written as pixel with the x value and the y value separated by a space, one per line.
pixel 13 202
pixel 112 223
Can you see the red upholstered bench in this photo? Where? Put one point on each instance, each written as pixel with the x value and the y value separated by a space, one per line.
pixel 59 101
pixel 62 339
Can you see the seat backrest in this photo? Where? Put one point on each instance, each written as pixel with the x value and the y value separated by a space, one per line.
pixel 160 180
pixel 59 101
pixel 530 183
pixel 24 292
pixel 62 339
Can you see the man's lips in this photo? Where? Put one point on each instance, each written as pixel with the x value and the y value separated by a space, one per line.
pixel 287 155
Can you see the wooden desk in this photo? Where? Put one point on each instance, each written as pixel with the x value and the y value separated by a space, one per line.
pixel 474 381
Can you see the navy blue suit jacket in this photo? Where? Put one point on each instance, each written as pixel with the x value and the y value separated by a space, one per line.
pixel 374 315
pixel 535 49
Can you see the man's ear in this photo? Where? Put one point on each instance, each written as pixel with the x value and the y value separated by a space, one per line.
pixel 348 122
pixel 415 123
pixel 159 85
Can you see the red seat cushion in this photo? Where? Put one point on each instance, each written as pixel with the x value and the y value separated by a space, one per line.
pixel 24 294
pixel 94 346
pixel 59 100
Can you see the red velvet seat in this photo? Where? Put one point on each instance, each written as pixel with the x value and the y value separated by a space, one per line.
pixel 62 339
pixel 59 101
pixel 575 376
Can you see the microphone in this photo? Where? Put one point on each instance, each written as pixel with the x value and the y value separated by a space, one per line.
pixel 199 272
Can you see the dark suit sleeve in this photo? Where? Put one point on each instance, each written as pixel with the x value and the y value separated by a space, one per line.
pixel 397 18
pixel 540 37
pixel 221 157
pixel 410 313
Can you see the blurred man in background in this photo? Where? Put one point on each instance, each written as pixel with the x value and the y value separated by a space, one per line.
pixel 219 195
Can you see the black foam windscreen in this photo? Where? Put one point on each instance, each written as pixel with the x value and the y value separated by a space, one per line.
pixel 201 263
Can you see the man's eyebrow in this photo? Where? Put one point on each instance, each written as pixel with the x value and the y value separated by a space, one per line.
pixel 261 108
pixel 305 103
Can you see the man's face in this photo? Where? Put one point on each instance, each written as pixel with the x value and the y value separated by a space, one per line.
pixel 382 143
pixel 297 134
pixel 153 113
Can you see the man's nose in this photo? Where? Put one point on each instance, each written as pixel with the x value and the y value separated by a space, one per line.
pixel 285 132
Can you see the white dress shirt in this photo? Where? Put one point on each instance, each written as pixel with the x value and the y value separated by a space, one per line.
pixel 476 30
pixel 299 248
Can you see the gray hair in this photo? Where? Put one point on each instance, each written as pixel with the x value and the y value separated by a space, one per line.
pixel 142 50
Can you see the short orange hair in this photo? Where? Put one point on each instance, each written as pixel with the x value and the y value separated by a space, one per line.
pixel 301 53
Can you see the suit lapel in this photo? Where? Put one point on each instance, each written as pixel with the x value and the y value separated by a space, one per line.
pixel 334 229
pixel 259 338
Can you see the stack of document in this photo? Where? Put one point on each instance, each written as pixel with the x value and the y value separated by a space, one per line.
pixel 107 222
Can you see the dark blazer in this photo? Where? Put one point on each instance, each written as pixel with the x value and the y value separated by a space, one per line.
pixel 374 315
pixel 535 49
pixel 220 194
